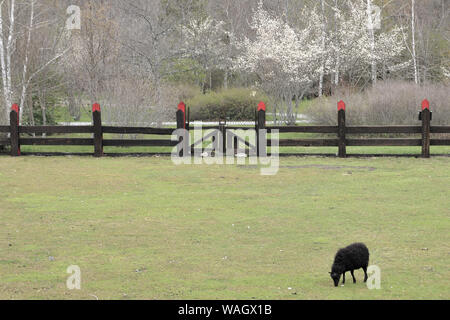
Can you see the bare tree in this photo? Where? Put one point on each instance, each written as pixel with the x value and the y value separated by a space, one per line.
pixel 153 39
pixel 95 50
pixel 19 49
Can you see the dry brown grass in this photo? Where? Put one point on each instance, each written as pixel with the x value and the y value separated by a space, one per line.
pixel 387 103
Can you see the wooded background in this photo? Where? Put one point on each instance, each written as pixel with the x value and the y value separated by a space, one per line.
pixel 147 55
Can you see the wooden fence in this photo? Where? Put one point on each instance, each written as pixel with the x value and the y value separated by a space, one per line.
pixel 341 131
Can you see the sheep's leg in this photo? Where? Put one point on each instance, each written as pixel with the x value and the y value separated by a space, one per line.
pixel 353 276
pixel 365 274
pixel 343 278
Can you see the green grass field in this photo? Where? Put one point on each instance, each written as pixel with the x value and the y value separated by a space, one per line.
pixel 142 228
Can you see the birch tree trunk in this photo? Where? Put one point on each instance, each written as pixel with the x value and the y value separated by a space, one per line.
pixel 29 104
pixel 413 34
pixel 337 53
pixel 8 27
pixel 3 66
pixel 5 55
pixel 370 27
pixel 25 64
pixel 225 79
pixel 9 48
pixel 43 108
pixel 322 67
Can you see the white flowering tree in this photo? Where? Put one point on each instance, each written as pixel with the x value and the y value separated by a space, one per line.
pixel 205 42
pixel 357 44
pixel 287 61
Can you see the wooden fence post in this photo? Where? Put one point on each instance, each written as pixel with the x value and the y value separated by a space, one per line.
pixel 223 144
pixel 426 128
pixel 181 124
pixel 98 131
pixel 261 137
pixel 14 130
pixel 342 130
pixel 181 116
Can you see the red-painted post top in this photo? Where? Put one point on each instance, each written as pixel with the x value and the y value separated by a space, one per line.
pixel 96 107
pixel 15 108
pixel 261 106
pixel 182 107
pixel 425 104
pixel 341 105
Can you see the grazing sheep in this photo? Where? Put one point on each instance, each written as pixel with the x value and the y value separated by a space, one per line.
pixel 351 258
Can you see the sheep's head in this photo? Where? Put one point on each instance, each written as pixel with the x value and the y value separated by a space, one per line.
pixel 335 276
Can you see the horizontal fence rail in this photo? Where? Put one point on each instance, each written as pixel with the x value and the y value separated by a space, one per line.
pixel 56 142
pixel 440 129
pixel 16 135
pixel 393 142
pixel 305 142
pixel 55 129
pixel 137 130
pixel 304 129
pixel 139 143
pixel 383 129
pixel 440 142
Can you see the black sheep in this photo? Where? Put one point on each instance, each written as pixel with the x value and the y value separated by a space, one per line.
pixel 351 258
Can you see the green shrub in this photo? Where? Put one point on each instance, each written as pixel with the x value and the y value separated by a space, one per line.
pixel 54 111
pixel 234 105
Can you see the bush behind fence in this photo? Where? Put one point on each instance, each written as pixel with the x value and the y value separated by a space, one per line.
pixel 386 103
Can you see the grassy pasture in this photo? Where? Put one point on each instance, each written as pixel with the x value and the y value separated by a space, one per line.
pixel 142 228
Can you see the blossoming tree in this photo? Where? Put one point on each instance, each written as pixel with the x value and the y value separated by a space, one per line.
pixel 286 60
pixel 289 60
